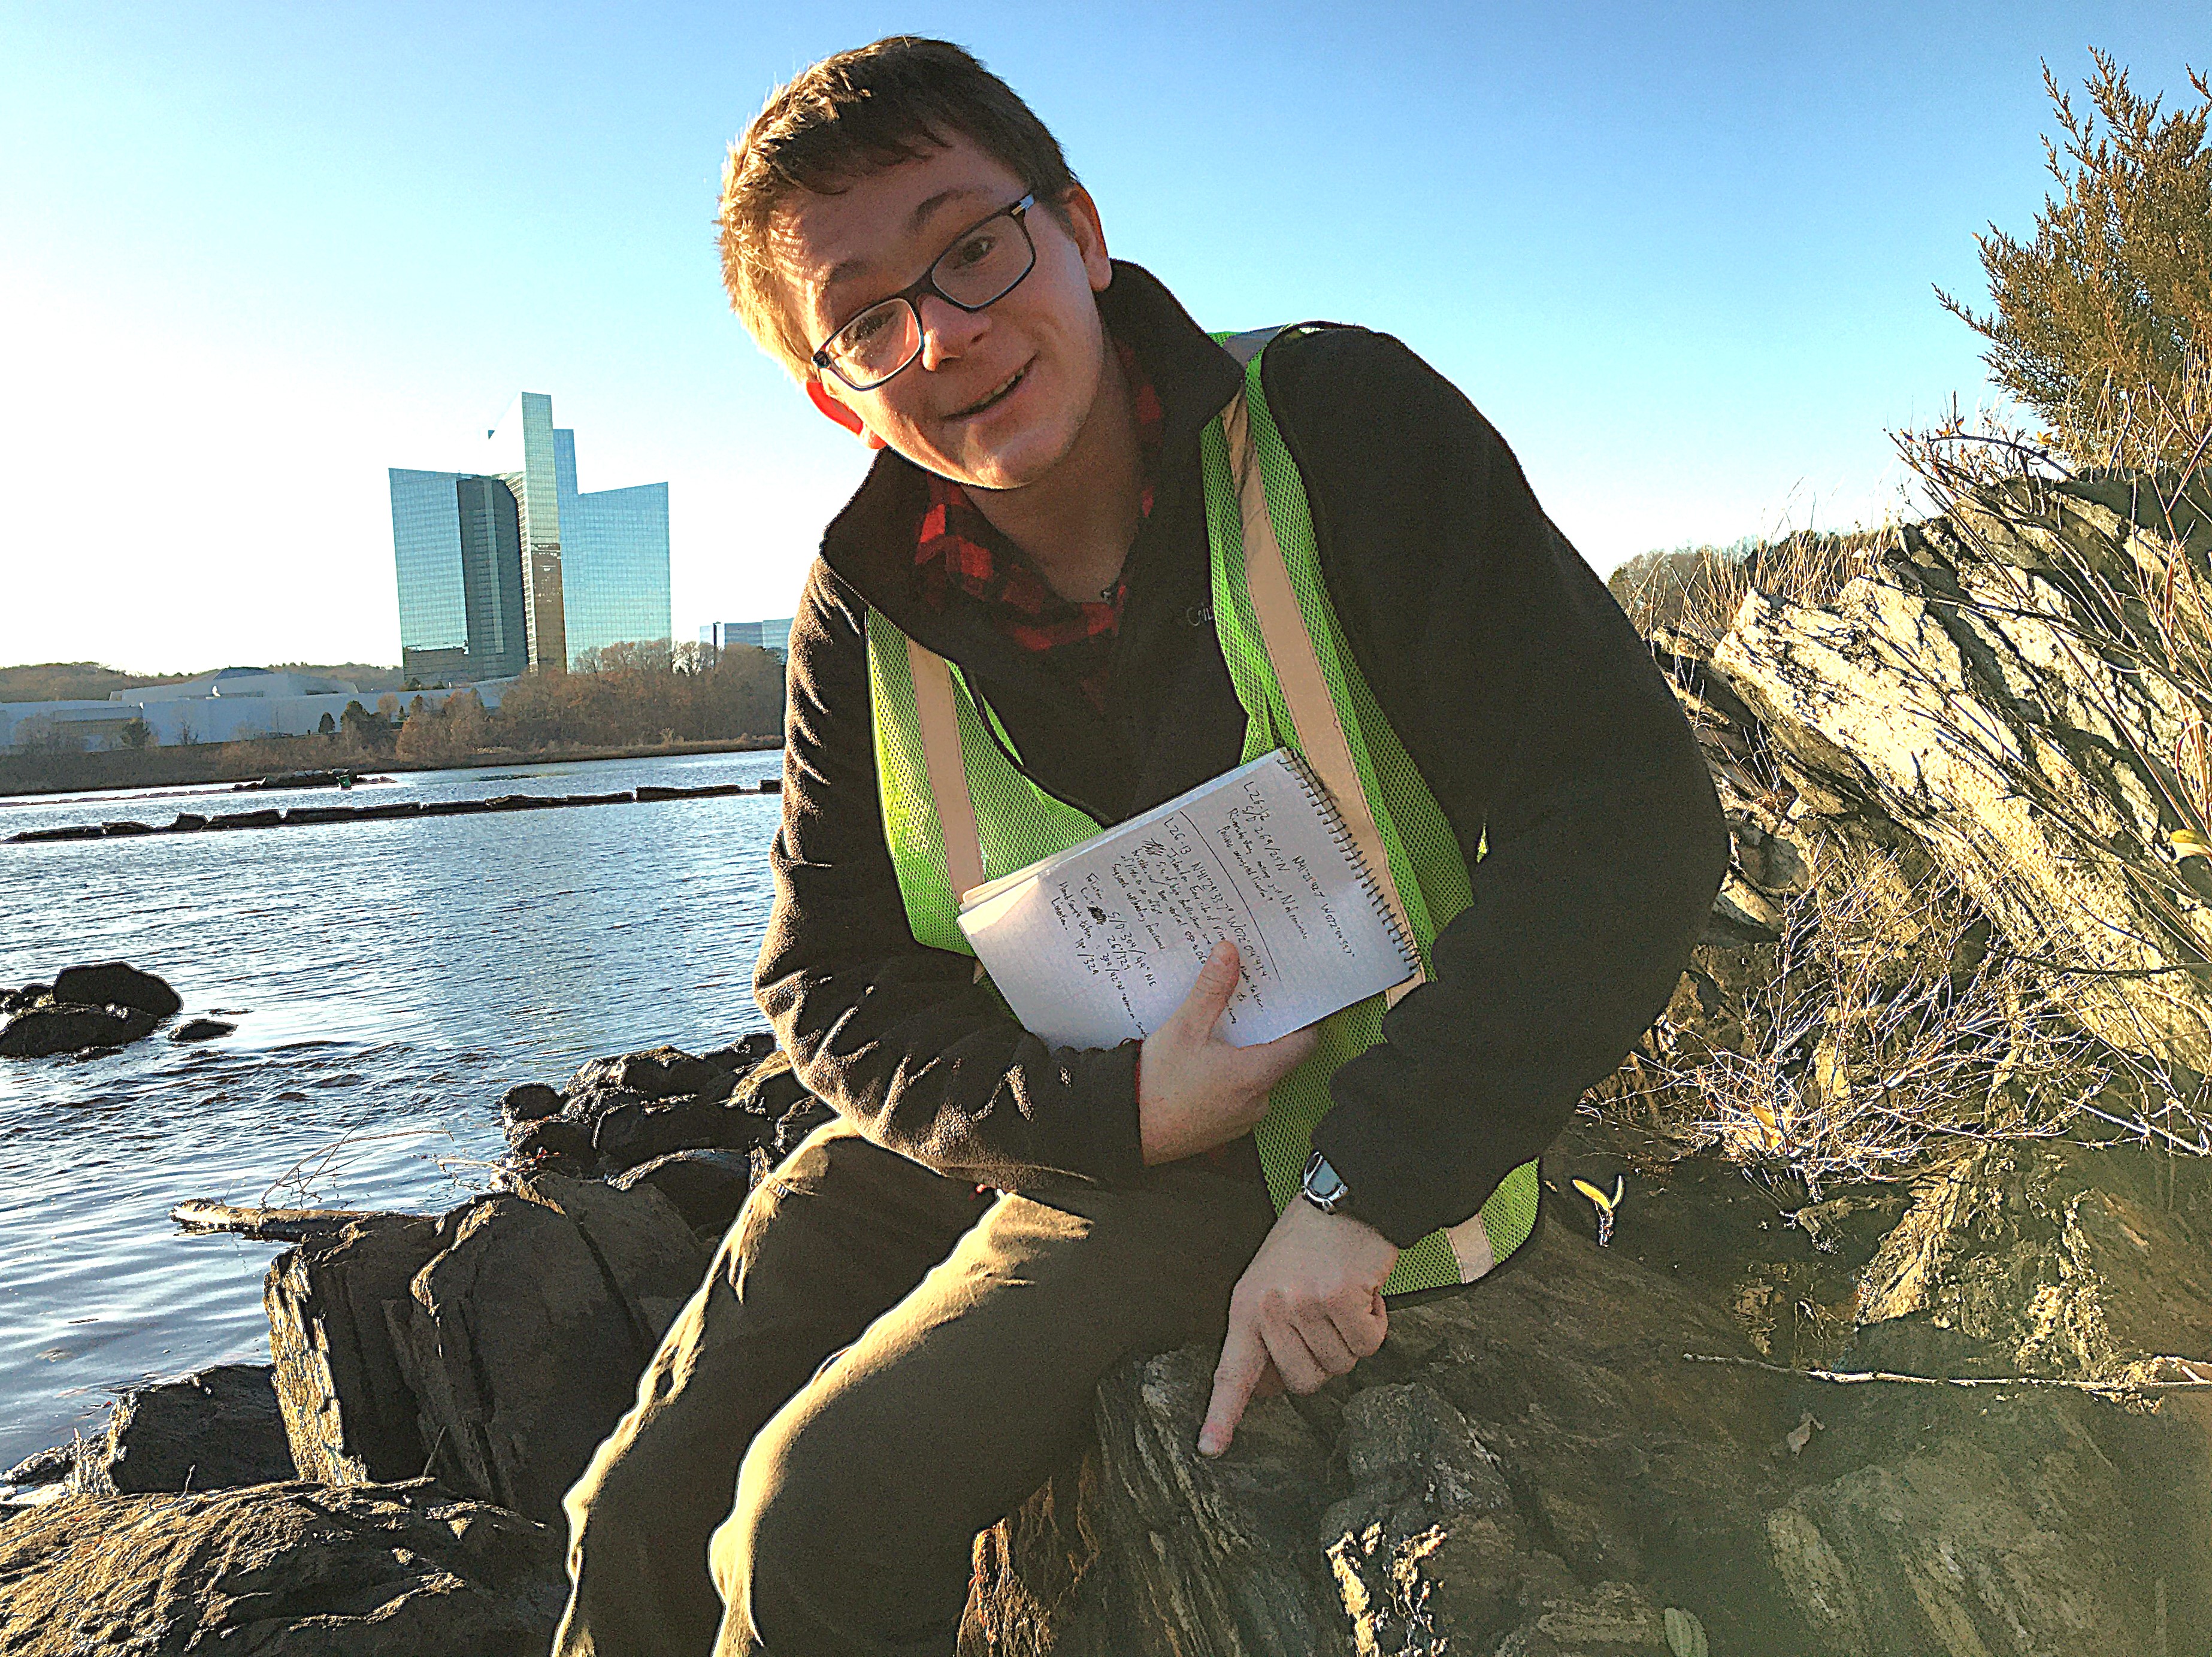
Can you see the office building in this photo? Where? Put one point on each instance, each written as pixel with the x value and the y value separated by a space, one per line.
pixel 774 636
pixel 456 545
pixel 512 568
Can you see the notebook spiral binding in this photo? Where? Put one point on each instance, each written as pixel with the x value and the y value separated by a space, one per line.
pixel 1317 791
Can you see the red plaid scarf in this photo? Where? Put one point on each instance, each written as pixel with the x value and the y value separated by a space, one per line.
pixel 956 546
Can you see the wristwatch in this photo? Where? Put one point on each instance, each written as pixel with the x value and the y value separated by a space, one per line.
pixel 1323 1187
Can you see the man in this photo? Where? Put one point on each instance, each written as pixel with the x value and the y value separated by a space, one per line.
pixel 901 1334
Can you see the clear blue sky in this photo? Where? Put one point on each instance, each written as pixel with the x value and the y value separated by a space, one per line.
pixel 251 255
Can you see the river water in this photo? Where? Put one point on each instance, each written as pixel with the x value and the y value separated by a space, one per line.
pixel 389 981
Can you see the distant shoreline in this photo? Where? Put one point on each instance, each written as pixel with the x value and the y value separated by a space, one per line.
pixel 214 762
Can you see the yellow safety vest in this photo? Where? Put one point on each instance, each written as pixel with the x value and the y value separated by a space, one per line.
pixel 958 812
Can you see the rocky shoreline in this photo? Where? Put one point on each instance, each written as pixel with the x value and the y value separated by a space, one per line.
pixel 1652 1447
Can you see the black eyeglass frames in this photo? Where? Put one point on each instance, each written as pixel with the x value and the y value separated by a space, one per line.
pixel 984 264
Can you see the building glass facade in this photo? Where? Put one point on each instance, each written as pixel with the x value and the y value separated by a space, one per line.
pixel 513 568
pixel 773 635
pixel 491 576
pixel 426 548
pixel 617 566
pixel 521 451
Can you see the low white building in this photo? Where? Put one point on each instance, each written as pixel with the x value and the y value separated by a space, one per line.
pixel 236 705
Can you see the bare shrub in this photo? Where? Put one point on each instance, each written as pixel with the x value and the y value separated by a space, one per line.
pixel 1881 1031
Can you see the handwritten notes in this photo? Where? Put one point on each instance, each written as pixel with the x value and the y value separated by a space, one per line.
pixel 1100 944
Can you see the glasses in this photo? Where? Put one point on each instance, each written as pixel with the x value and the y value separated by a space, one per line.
pixel 985 263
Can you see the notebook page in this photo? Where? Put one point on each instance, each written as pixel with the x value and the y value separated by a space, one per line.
pixel 1101 943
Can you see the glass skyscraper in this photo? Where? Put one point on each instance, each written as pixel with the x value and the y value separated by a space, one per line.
pixel 513 568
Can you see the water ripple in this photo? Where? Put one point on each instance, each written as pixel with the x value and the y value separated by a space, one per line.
pixel 396 978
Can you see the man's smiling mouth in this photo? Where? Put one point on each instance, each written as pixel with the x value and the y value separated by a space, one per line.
pixel 997 395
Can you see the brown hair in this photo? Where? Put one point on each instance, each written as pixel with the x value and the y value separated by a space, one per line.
pixel 846 117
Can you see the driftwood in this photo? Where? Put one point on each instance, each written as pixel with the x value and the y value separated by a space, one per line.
pixel 284 1225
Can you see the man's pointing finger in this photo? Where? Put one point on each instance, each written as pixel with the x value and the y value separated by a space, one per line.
pixel 1243 1361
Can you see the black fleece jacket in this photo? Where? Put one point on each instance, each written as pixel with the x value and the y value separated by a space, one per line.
pixel 1532 710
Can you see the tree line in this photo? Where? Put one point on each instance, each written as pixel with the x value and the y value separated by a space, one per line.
pixel 621 695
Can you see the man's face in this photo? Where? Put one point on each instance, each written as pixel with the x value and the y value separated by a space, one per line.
pixel 998 395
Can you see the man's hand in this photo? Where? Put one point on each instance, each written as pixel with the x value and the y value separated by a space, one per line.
pixel 1309 1307
pixel 1194 1091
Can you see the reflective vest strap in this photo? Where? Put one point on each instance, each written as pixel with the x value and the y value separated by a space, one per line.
pixel 1297 670
pixel 941 753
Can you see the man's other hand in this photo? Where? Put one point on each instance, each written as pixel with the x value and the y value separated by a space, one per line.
pixel 1194 1091
pixel 1309 1307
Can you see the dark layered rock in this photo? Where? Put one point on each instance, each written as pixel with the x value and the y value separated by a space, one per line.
pixel 528 1101
pixel 1534 1466
pixel 744 1055
pixel 37 1478
pixel 522 1341
pixel 202 1029
pixel 660 1073
pixel 117 984
pixel 1504 1456
pixel 559 1143
pixel 42 1032
pixel 493 1348
pixel 619 1113
pixel 279 1570
pixel 2055 1260
pixel 348 1414
pixel 706 1187
pixel 634 1133
pixel 216 1428
pixel 22 1000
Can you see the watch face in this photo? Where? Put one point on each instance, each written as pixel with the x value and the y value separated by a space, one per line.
pixel 1321 1182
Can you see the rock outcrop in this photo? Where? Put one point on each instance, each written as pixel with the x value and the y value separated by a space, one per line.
pixel 42 1032
pixel 117 984
pixel 522 1341
pixel 84 1010
pixel 280 1570
pixel 617 1113
pixel 348 1414
pixel 493 1348
pixel 1534 1467
pixel 1999 692
pixel 216 1428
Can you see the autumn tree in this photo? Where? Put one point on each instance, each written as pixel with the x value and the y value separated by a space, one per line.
pixel 363 731
pixel 2103 322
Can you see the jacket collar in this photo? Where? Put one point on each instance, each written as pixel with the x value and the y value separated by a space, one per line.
pixel 870 544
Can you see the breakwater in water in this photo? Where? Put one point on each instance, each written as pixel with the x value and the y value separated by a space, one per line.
pixel 190 822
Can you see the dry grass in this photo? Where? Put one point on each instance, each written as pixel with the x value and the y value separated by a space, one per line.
pixel 1698 590
pixel 1880 1032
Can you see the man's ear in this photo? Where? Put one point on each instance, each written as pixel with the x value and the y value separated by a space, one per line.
pixel 819 394
pixel 1089 235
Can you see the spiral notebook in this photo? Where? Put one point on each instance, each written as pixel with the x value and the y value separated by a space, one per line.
pixel 1100 943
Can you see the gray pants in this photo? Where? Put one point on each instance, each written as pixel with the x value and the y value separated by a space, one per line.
pixel 760 1499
